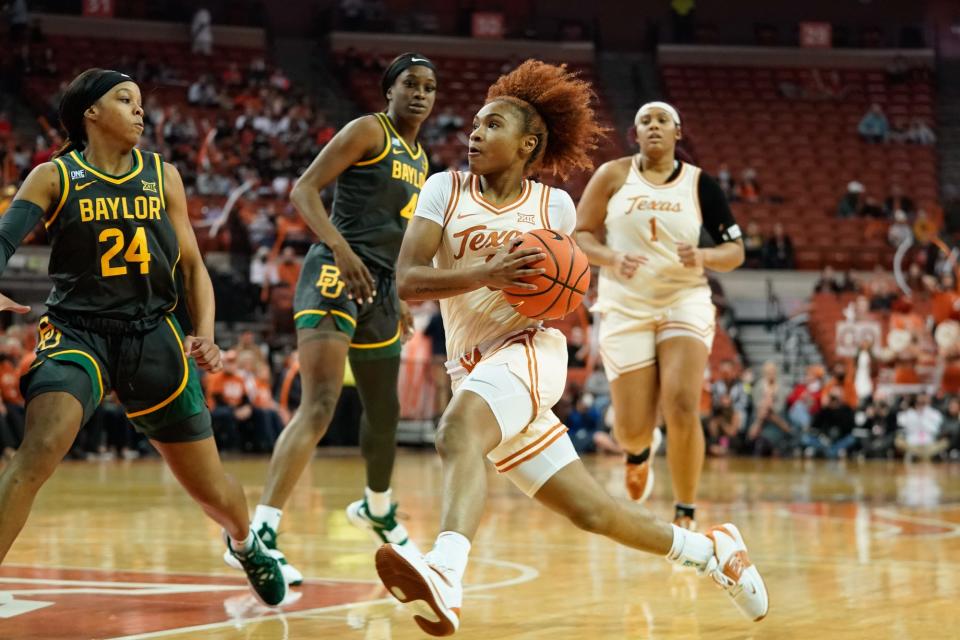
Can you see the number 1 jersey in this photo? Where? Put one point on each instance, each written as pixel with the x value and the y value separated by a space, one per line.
pixel 113 248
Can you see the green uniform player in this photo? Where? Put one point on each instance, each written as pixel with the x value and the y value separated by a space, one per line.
pixel 117 220
pixel 346 304
pixel 112 261
pixel 372 202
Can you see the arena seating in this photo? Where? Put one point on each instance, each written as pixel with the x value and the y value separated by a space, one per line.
pixel 806 150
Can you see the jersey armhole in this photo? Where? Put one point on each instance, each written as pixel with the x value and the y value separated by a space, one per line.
pixel 697 174
pixel 545 206
pixel 386 145
pixel 64 191
pixel 454 200
pixel 159 162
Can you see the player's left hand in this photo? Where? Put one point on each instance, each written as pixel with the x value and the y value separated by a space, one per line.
pixel 690 256
pixel 406 322
pixel 204 351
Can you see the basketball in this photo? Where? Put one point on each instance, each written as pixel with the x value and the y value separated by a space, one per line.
pixel 561 288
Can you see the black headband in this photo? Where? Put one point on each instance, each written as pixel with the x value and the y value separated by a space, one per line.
pixel 402 63
pixel 107 80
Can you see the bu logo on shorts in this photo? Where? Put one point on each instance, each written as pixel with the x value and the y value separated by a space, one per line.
pixel 48 336
pixel 329 282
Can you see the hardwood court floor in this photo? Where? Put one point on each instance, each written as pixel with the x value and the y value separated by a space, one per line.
pixel 116 550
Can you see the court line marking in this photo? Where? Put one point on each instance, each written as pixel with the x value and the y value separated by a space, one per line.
pixel 527 574
pixel 157 572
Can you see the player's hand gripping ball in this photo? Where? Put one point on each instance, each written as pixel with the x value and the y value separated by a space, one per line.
pixel 566 278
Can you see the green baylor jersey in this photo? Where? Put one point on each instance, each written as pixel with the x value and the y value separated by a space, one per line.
pixel 113 248
pixel 375 198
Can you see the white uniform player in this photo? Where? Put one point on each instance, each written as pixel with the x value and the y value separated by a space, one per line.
pixel 516 365
pixel 664 299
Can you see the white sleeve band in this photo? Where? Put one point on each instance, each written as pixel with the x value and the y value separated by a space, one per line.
pixel 562 212
pixel 434 197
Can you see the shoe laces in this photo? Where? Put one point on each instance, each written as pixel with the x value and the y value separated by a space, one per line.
pixel 258 564
pixel 268 536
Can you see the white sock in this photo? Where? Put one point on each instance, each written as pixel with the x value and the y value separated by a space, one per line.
pixel 268 515
pixel 690 549
pixel 242 546
pixel 378 503
pixel 451 550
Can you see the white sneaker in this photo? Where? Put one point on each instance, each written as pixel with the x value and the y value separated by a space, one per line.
pixel 385 530
pixel 433 593
pixel 736 574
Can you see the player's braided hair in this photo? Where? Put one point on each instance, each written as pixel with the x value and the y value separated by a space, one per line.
pixel 556 106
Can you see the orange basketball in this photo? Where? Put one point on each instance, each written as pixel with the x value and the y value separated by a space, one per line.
pixel 561 288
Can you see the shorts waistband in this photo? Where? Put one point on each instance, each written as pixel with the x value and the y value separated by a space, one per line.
pixel 109 326
pixel 463 365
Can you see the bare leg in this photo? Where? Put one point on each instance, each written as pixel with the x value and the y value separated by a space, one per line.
pixel 682 361
pixel 574 493
pixel 197 466
pixel 323 352
pixel 634 398
pixel 52 423
pixel 468 431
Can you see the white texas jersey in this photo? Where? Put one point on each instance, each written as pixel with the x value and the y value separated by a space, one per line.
pixel 471 226
pixel 650 220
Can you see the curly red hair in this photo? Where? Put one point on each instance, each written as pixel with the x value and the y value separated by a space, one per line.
pixel 556 105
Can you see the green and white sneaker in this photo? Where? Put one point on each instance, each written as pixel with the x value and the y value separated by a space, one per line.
pixel 384 530
pixel 268 536
pixel 263 571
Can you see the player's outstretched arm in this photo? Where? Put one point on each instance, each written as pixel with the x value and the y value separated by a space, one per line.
pixel 196 281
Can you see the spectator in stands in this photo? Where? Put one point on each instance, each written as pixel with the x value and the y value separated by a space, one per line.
pixel 230 407
pixel 769 433
pixel 202 93
pixel 874 126
pixel 201 32
pixel 876 428
pixel 804 400
pixel 921 430
pixel 583 422
pixel 863 370
pixel 828 282
pixel 897 201
pixel 778 252
pixel 728 384
pixel 900 230
pixel 920 132
pixel 753 246
pixel 726 182
pixel 950 429
pixel 852 202
pixel 842 378
pixel 724 426
pixel 748 189
pixel 848 283
pixel 831 433
pixel 924 229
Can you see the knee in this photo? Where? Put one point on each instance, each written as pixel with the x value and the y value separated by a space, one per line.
pixel 454 437
pixel 36 461
pixel 680 406
pixel 317 411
